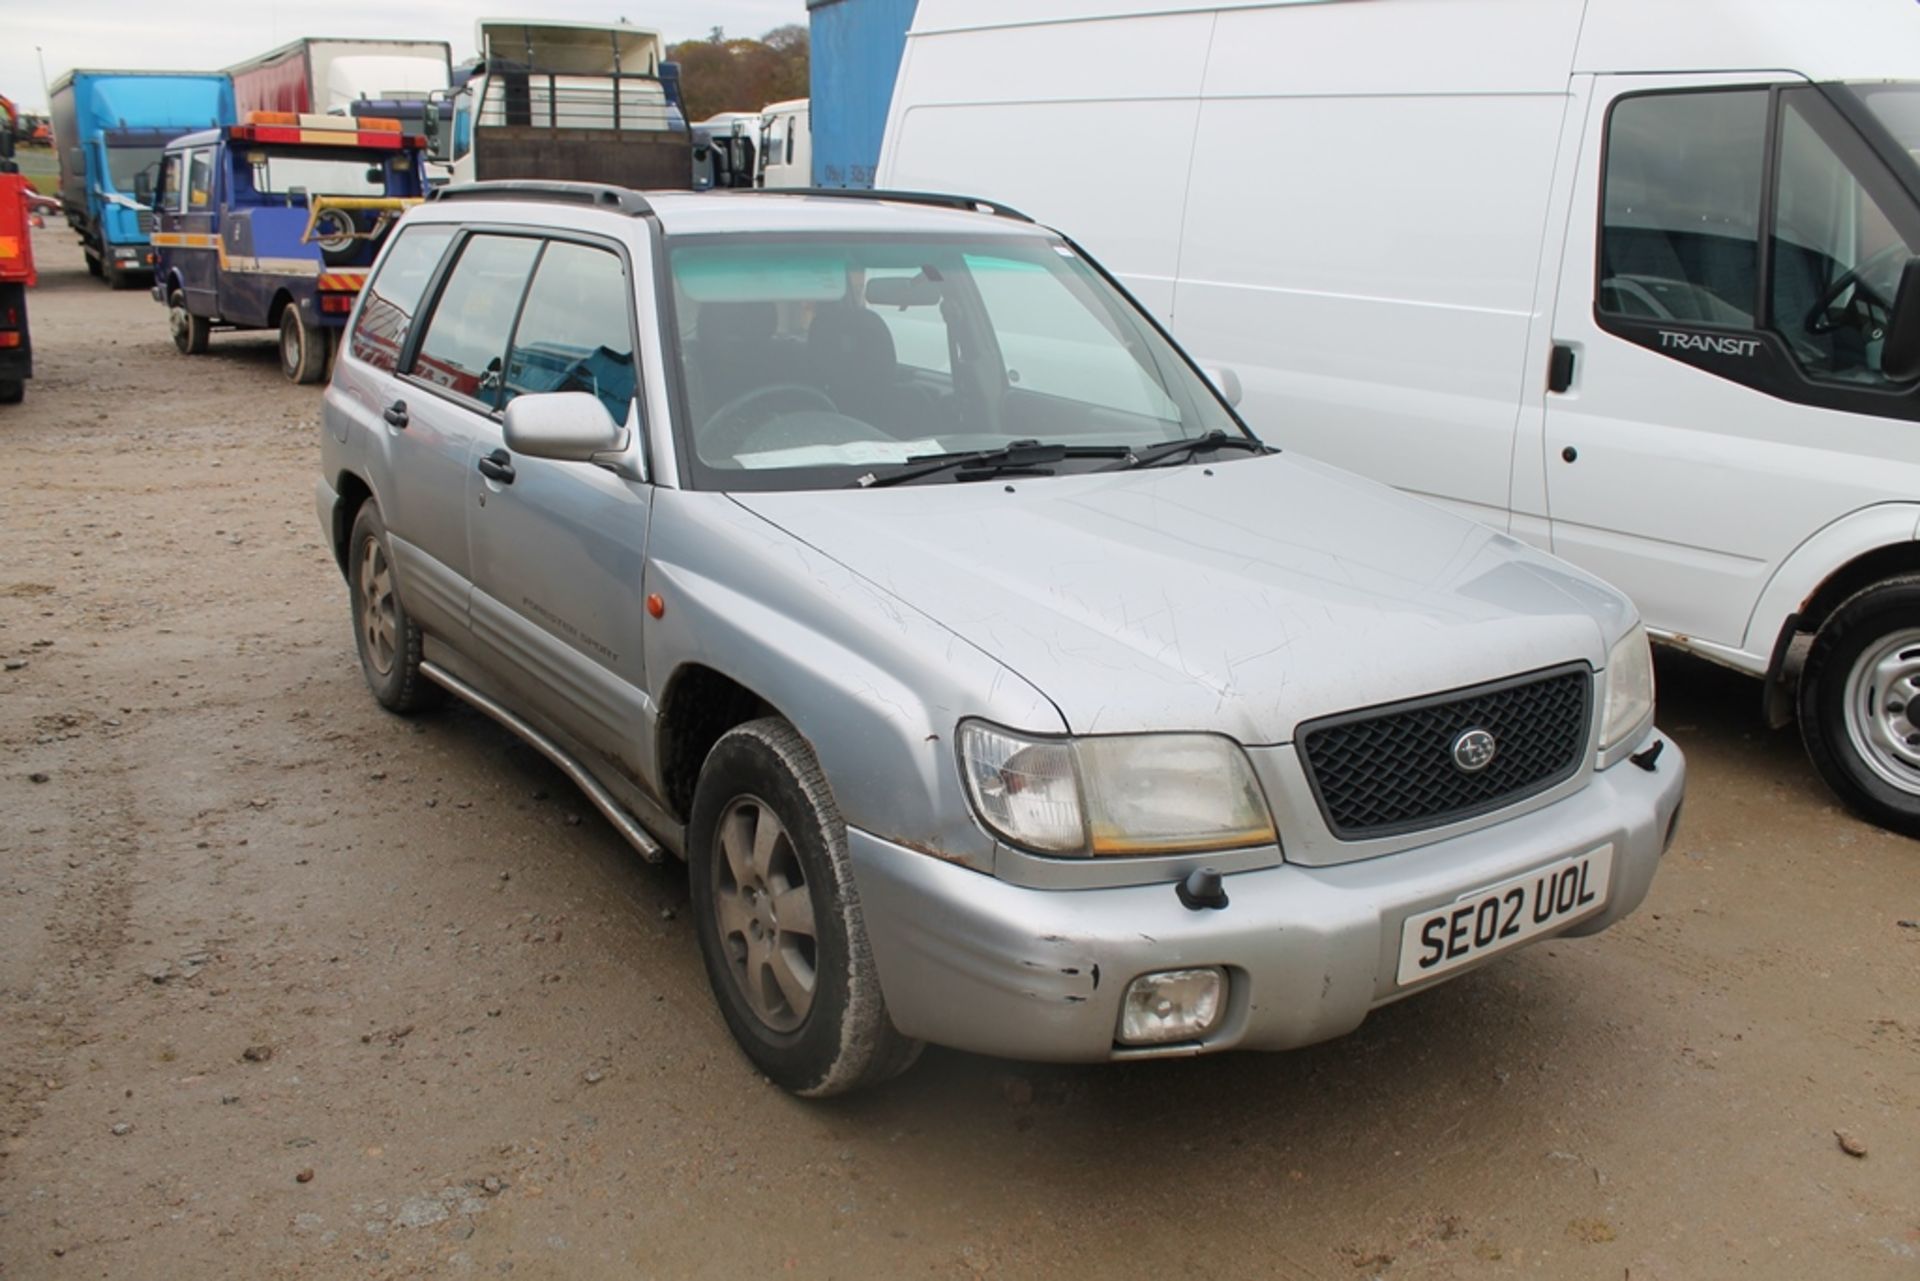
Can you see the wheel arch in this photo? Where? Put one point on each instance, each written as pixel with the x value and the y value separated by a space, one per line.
pixel 282 299
pixel 698 706
pixel 1845 557
pixel 353 493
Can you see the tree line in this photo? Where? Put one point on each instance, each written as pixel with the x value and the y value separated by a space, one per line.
pixel 722 73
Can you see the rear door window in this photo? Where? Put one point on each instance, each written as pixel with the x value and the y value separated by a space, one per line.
pixel 393 295
pixel 465 347
pixel 576 330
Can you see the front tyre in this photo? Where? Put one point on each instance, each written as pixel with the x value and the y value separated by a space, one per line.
pixel 303 351
pixel 1860 703
pixel 386 636
pixel 779 919
pixel 190 332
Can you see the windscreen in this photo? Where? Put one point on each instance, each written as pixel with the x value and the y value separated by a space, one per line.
pixel 126 164
pixel 316 173
pixel 1897 108
pixel 809 362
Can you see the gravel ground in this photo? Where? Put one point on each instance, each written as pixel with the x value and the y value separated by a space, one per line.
pixel 292 988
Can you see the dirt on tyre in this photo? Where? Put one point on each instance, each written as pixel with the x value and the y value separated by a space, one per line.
pixel 387 638
pixel 779 920
pixel 190 332
pixel 1859 702
pixel 303 349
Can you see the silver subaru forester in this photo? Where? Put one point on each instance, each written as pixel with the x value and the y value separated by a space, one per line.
pixel 882 559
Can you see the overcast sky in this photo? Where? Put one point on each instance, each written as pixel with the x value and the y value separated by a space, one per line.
pixel 199 35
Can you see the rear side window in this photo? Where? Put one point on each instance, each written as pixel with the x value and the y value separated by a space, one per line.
pixel 576 330
pixel 1680 237
pixel 394 295
pixel 465 348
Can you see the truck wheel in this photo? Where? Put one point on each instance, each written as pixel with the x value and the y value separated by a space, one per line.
pixel 12 391
pixel 385 634
pixel 779 920
pixel 94 268
pixel 190 332
pixel 1860 703
pixel 303 352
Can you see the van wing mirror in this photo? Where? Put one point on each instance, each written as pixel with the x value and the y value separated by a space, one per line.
pixel 1227 383
pixel 567 427
pixel 1900 350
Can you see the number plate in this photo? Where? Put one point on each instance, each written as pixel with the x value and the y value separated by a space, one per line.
pixel 1482 922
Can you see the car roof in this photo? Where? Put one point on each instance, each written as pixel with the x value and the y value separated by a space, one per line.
pixel 583 206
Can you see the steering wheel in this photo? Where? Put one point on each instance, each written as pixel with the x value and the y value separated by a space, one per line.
pixel 727 426
pixel 1867 300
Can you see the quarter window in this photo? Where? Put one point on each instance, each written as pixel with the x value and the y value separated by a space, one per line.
pixel 1680 231
pixel 171 188
pixel 1837 259
pixel 465 347
pixel 576 330
pixel 386 313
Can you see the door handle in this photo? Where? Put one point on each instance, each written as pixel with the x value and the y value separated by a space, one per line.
pixel 395 414
pixel 1560 369
pixel 497 466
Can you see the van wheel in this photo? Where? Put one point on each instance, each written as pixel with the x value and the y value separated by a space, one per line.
pixel 1860 703
pixel 190 332
pixel 385 634
pixel 12 391
pixel 303 352
pixel 779 920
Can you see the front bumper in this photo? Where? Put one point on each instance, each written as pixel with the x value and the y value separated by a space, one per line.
pixel 969 961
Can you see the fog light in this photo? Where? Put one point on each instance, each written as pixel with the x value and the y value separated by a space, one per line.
pixel 1173 1005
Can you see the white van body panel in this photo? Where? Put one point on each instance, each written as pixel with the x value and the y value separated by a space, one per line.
pixel 786 144
pixel 1383 215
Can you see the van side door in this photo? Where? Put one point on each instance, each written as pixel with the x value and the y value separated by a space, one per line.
pixel 1715 395
pixel 559 548
pixel 197 242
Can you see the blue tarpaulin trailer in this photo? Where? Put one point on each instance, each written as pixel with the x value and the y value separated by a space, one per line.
pixel 856 50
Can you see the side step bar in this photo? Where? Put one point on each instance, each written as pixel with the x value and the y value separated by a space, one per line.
pixel 602 799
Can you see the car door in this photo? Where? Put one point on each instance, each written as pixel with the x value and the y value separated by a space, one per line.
pixel 1706 410
pixel 198 236
pixel 559 548
pixel 447 388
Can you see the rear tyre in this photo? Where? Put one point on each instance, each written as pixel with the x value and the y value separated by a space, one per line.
pixel 190 332
pixel 303 351
pixel 779 920
pixel 388 640
pixel 12 391
pixel 1860 703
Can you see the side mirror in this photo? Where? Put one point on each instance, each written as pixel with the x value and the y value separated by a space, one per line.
pixel 1227 383
pixel 1900 350
pixel 567 427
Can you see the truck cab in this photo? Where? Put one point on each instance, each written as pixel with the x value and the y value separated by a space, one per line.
pixel 16 266
pixel 272 224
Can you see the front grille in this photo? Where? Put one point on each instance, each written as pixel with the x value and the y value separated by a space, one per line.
pixel 145 218
pixel 1388 770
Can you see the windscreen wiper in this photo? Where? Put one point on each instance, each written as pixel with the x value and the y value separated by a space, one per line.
pixel 1193 445
pixel 1021 458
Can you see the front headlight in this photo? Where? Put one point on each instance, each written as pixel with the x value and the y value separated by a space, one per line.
pixel 1629 687
pixel 1133 794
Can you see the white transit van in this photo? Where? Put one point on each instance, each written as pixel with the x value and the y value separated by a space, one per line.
pixel 1630 279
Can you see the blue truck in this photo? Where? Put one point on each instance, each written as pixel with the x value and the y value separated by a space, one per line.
pixel 855 59
pixel 273 223
pixel 109 128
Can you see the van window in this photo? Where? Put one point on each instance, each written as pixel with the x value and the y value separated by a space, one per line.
pixel 1837 258
pixel 465 348
pixel 576 330
pixel 393 295
pixel 1680 232
pixel 200 179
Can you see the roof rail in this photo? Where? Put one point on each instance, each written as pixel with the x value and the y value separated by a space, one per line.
pixel 966 204
pixel 597 194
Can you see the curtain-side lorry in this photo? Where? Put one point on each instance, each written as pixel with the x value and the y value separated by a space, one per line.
pixel 109 130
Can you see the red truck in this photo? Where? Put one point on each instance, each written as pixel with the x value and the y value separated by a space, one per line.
pixel 327 77
pixel 16 267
